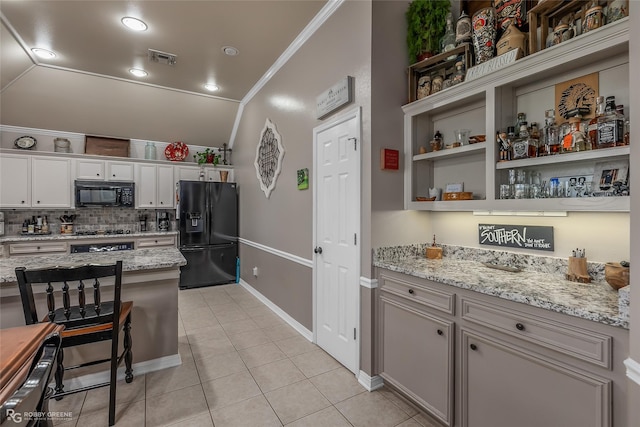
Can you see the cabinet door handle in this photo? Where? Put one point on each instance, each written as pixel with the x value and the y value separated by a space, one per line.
pixel 38 247
pixel 22 202
pixel 113 175
pixel 38 201
pixel 473 347
pixel 520 326
pixel 97 174
pixel 162 203
pixel 411 291
pixel 440 332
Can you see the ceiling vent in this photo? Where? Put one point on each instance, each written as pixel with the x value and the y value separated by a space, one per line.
pixel 162 57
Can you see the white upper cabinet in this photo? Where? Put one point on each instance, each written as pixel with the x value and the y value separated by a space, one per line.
pixel 155 187
pixel 101 170
pixel 15 181
pixel 32 181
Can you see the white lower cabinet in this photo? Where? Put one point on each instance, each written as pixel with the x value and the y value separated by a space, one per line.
pixel 503 385
pixel 156 242
pixel 31 181
pixel 154 186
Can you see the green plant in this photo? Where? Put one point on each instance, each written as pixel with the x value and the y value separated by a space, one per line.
pixel 206 156
pixel 426 20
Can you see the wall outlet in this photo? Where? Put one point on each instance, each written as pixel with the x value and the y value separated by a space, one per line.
pixel 255 271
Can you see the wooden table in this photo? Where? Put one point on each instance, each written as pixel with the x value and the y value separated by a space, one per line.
pixel 17 349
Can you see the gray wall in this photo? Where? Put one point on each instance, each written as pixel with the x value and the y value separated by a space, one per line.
pixel 283 222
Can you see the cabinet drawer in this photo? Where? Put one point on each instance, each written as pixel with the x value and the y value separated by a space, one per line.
pixel 37 248
pixel 422 294
pixel 156 241
pixel 579 343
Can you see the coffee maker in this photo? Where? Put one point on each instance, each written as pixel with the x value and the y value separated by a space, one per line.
pixel 163 222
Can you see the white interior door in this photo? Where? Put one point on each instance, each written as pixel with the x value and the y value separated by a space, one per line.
pixel 336 238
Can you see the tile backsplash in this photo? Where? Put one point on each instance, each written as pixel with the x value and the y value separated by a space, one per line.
pixel 88 219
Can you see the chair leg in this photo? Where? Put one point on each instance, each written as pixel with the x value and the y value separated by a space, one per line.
pixel 128 356
pixel 59 372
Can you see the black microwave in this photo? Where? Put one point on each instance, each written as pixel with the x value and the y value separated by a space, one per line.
pixel 104 193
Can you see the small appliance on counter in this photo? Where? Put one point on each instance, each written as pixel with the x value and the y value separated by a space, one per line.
pixel 1 223
pixel 163 221
pixel 143 222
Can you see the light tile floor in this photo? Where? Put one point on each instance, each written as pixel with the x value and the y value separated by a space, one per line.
pixel 242 365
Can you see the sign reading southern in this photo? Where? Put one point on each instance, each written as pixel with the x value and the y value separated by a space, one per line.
pixel 516 236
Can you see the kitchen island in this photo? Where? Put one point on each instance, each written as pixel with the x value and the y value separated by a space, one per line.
pixel 477 346
pixel 150 279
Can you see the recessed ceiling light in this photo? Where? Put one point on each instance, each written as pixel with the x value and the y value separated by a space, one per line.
pixel 43 53
pixel 134 23
pixel 211 87
pixel 138 72
pixel 230 50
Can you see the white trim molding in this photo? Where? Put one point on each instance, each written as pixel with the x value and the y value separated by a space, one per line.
pixel 365 282
pixel 280 312
pixel 277 252
pixel 370 383
pixel 633 370
pixel 139 368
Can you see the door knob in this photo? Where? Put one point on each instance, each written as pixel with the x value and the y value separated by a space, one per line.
pixel 317 249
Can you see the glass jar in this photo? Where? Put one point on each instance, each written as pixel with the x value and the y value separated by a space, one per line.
pixel 150 151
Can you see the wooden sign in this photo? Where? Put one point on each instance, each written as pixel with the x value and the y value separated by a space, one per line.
pixel 492 65
pixel 389 159
pixel 534 237
pixel 580 93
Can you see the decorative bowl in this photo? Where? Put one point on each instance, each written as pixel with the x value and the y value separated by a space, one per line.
pixel 616 275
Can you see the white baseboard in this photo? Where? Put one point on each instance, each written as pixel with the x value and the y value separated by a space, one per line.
pixel 370 383
pixel 633 370
pixel 139 368
pixel 280 312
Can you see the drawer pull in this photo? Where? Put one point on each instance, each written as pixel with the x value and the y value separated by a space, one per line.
pixel 440 332
pixel 520 326
pixel 38 247
pixel 473 347
pixel 411 291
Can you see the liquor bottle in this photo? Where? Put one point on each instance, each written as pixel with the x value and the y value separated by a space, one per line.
pixel 45 225
pixel 524 146
pixel 551 138
pixel 625 126
pixel 522 117
pixel 592 130
pixel 511 137
pixel 25 226
pixel 610 125
pixel 448 41
pixel 574 141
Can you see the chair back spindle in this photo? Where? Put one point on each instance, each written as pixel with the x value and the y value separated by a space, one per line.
pixel 96 296
pixel 81 298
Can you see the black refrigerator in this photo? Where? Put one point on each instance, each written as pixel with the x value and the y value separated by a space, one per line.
pixel 208 223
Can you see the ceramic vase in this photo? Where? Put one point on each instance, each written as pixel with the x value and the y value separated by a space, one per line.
pixel 484 34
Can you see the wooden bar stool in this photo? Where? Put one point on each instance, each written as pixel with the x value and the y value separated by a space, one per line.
pixel 84 323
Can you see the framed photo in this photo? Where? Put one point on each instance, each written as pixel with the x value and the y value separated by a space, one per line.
pixel 454 188
pixel 606 173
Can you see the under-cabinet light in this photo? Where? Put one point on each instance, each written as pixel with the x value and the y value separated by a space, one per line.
pixel 520 213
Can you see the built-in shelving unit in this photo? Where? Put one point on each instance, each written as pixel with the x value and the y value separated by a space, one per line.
pixel 490 103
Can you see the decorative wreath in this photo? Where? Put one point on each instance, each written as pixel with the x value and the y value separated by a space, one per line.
pixel 269 154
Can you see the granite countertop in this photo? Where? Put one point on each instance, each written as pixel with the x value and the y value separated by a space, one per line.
pixel 58 236
pixel 595 301
pixel 136 260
